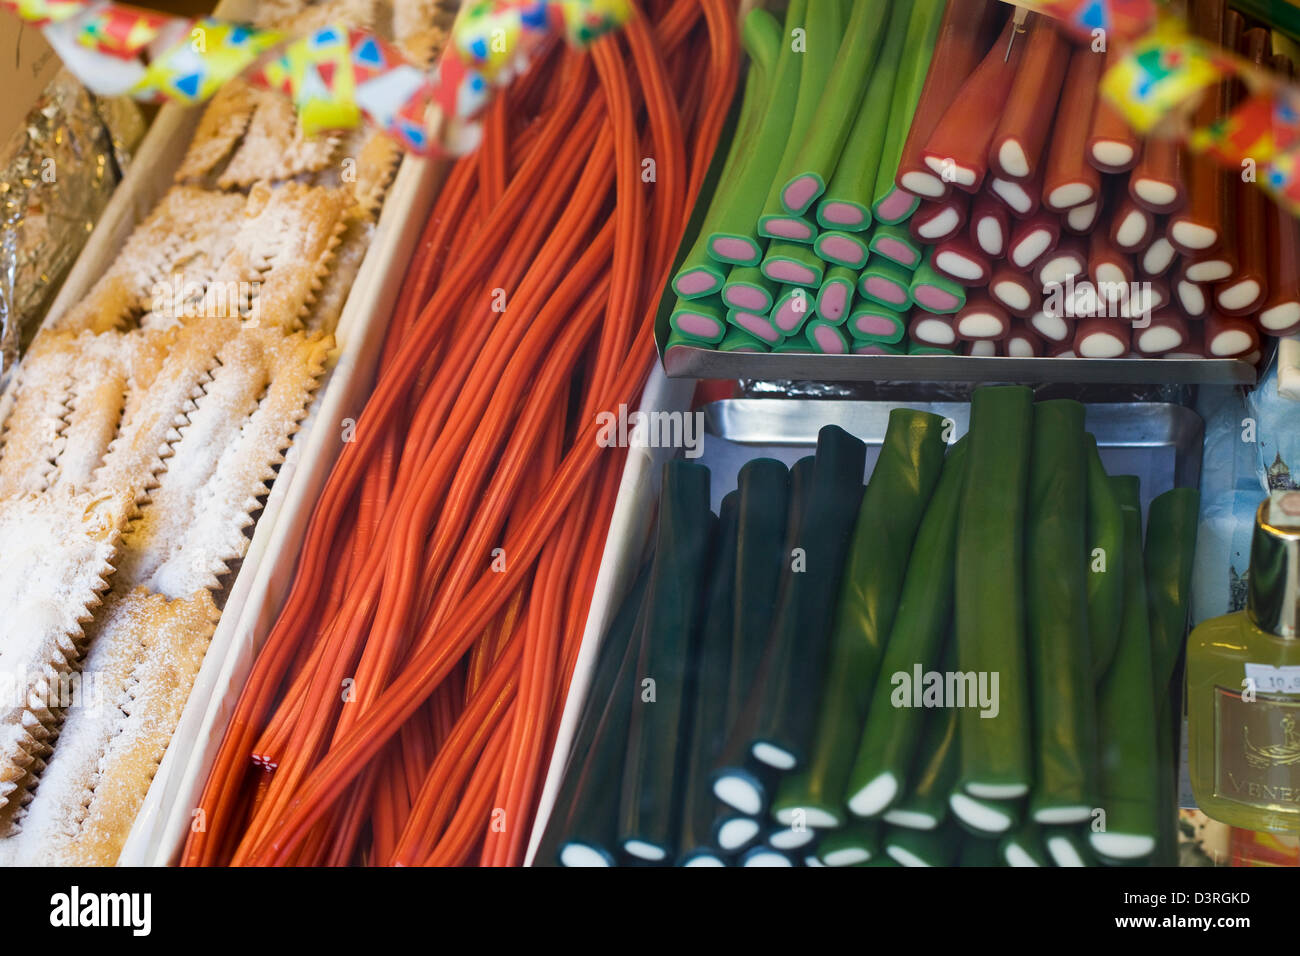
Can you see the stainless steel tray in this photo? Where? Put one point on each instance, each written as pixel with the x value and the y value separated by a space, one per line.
pixel 1158 442
pixel 682 361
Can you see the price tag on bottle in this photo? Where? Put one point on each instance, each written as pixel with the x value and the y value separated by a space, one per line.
pixel 1274 680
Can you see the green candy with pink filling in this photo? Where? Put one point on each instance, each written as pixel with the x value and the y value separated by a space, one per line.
pixel 934 292
pixel 749 290
pixel 794 307
pixel 886 282
pixel 835 297
pixel 792 264
pixel 703 321
pixel 842 249
pixel 896 244
pixel 827 337
pixel 873 322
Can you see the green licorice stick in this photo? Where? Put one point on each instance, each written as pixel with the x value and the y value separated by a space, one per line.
pixel 920 627
pixel 920 348
pixel 890 204
pixel 824 30
pixel 934 292
pixel 699 320
pixel 708 685
pixel 979 851
pixel 835 297
pixel 794 306
pixel 585 817
pixel 850 845
pixel 984 818
pixel 938 847
pixel 989 609
pixel 827 338
pixel 895 243
pixel 823 151
pixel 842 249
pixel 1170 547
pixel 738 340
pixel 1056 603
pixel 846 202
pixel 1126 712
pixel 793 264
pixel 1024 847
pixel 748 290
pixel 761 35
pixel 771 500
pixel 732 233
pixel 911 458
pixel 1068 846
pixel 650 797
pixel 924 803
pixel 1106 563
pixel 873 322
pixel 795 666
pixel 887 283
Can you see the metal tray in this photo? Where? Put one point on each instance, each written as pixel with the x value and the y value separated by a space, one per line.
pixel 1158 442
pixel 683 361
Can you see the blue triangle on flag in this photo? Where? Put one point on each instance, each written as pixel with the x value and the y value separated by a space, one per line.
pixel 1094 15
pixel 189 85
pixel 369 53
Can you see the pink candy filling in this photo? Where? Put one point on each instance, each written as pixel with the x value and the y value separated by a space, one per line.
pixel 842 214
pixel 841 250
pixel 733 250
pixel 874 325
pixel 936 299
pixel 827 340
pixel 695 283
pixel 701 326
pixel 884 289
pixel 900 252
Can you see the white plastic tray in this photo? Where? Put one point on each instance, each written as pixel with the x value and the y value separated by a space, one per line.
pixel 267 570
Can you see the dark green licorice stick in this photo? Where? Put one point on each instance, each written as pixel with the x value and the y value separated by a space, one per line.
pixel 850 845
pixel 709 683
pixel 1056 604
pixel 1170 548
pixel 732 233
pixel 846 202
pixel 989 593
pixel 585 818
pixel 771 505
pixel 822 41
pixel 761 35
pixel 823 151
pixel 1106 566
pixel 979 851
pixel 763 488
pixel 895 499
pixel 1024 847
pixel 650 798
pixel 917 632
pixel 938 847
pixel 1126 711
pixel 890 204
pixel 796 665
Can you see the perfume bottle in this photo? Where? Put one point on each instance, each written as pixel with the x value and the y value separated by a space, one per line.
pixel 1243 686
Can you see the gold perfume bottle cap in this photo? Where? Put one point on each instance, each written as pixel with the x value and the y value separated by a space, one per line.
pixel 1273 595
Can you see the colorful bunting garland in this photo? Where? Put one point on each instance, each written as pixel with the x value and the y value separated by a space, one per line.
pixel 336 77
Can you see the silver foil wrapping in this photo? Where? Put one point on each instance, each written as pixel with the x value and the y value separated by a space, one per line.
pixel 57 172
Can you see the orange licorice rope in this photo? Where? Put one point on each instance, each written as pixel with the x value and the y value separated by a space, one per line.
pixel 404 706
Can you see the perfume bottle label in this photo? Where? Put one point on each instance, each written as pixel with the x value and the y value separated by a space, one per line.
pixel 1257 750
